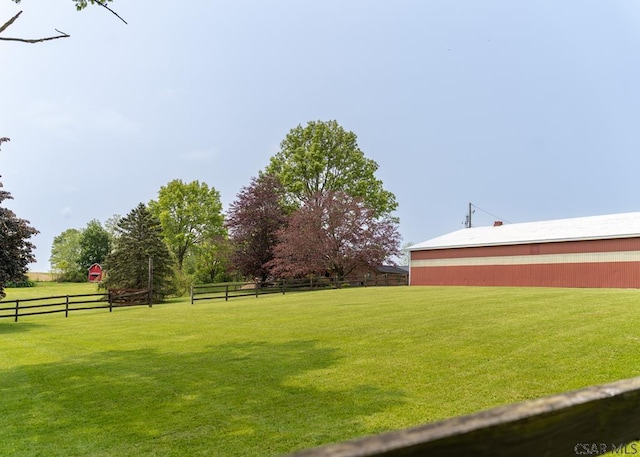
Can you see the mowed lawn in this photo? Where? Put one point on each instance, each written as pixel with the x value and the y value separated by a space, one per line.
pixel 274 374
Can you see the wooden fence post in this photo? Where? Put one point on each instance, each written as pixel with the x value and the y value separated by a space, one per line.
pixel 66 307
pixel 226 292
pixel 150 281
pixel 110 301
pixel 192 295
pixel 17 306
pixel 257 284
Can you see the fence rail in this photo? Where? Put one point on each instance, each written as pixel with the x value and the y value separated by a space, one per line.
pixel 69 303
pixel 590 421
pixel 243 289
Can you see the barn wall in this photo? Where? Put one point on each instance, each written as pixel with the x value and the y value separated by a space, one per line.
pixel 598 263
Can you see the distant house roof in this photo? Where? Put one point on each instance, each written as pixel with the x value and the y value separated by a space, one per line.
pixel 625 225
pixel 390 269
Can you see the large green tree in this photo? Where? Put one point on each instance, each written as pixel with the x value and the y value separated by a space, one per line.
pixel 139 239
pixel 74 251
pixel 16 249
pixel 322 156
pixel 65 252
pixel 189 213
pixel 95 244
pixel 210 260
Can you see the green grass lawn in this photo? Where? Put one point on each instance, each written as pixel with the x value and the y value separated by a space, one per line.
pixel 270 375
pixel 48 289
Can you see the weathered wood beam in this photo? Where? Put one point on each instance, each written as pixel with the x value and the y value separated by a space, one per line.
pixel 598 418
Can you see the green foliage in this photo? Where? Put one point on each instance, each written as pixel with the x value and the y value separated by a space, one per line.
pixel 110 225
pixel 65 252
pixel 180 283
pixel 139 239
pixel 189 213
pixel 322 156
pixel 82 4
pixel 210 261
pixel 72 276
pixel 95 244
pixel 24 282
pixel 74 251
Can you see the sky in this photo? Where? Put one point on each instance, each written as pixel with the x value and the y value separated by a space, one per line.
pixel 527 109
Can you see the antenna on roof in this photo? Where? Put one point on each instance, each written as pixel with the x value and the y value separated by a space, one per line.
pixel 472 210
pixel 467 221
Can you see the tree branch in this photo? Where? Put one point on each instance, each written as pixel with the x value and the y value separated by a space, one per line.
pixel 6 25
pixel 9 22
pixel 37 40
pixel 104 5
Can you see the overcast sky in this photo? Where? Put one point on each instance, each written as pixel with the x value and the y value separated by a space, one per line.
pixel 528 109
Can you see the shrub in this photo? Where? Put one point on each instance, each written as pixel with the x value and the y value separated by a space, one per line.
pixel 23 283
pixel 72 276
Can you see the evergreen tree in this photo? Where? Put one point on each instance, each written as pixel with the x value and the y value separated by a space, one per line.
pixel 139 237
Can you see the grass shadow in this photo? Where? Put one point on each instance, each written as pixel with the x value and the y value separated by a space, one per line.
pixel 231 399
pixel 8 327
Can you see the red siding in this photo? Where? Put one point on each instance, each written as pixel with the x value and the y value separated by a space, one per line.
pixel 603 274
pixel 95 273
pixel 564 247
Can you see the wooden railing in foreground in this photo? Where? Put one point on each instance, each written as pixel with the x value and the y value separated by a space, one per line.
pixel 68 303
pixel 590 421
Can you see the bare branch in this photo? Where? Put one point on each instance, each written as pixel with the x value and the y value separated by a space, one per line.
pixel 104 5
pixel 6 25
pixel 37 40
pixel 62 34
pixel 9 22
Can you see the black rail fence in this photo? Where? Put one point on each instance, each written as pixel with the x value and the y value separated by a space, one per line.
pixel 243 289
pixel 70 303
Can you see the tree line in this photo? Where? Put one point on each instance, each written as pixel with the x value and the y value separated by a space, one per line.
pixel 316 209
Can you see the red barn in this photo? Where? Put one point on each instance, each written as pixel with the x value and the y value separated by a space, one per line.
pixel 597 251
pixel 95 273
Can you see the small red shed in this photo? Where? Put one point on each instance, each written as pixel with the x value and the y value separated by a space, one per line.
pixel 95 273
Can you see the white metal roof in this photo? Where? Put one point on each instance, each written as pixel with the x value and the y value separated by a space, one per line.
pixel 623 225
